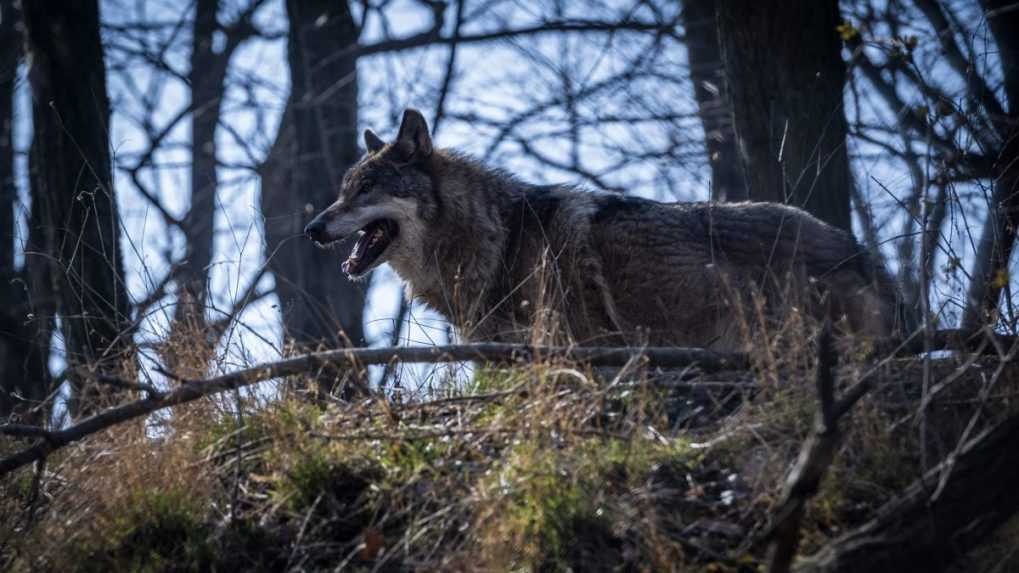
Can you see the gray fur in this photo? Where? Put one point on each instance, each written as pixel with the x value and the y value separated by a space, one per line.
pixel 505 260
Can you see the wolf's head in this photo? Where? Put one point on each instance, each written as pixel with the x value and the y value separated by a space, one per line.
pixel 385 199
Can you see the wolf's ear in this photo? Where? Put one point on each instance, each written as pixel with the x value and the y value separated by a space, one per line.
pixel 414 140
pixel 372 141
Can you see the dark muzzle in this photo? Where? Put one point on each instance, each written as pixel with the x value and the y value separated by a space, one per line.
pixel 316 230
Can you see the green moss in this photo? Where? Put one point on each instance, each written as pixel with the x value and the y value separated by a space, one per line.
pixel 543 502
pixel 320 477
pixel 309 476
pixel 560 507
pixel 406 459
pixel 297 415
pixel 153 531
pixel 488 380
pixel 306 465
pixel 19 487
pixel 224 432
pixel 169 531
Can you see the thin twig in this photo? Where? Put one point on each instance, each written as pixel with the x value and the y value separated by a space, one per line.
pixel 128 385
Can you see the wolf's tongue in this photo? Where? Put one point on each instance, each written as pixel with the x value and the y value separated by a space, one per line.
pixel 350 265
pixel 375 238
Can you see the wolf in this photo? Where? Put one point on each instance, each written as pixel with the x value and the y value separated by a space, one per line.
pixel 502 259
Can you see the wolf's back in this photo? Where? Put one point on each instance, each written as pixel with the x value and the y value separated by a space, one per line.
pixel 680 269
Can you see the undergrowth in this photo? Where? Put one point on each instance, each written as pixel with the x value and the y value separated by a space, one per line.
pixel 545 467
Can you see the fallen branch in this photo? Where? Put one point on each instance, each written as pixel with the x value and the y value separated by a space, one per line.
pixel 24 431
pixel 191 390
pixel 812 465
pixel 663 357
pixel 819 451
pixel 914 532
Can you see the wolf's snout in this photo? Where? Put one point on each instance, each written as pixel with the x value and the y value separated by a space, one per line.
pixel 316 230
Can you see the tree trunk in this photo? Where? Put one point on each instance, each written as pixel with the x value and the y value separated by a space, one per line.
pixel 710 90
pixel 786 75
pixel 208 71
pixel 74 209
pixel 9 54
pixel 316 144
pixel 24 379
pixel 990 274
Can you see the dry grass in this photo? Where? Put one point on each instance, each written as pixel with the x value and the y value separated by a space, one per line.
pixel 543 467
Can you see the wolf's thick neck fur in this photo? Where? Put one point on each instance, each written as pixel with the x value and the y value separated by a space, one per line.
pixel 470 215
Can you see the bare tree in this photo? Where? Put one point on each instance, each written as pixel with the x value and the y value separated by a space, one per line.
pixel 990 274
pixel 10 53
pixel 786 78
pixel 24 323
pixel 73 201
pixel 316 144
pixel 927 97
pixel 207 80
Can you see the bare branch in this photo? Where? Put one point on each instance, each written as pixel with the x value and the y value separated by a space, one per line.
pixel 358 357
pixel 447 81
pixel 433 37
pixel 933 11
pixel 24 431
pixel 815 458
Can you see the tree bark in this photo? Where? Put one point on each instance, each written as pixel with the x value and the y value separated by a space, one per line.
pixel 74 209
pixel 10 326
pixel 316 144
pixel 208 71
pixel 193 340
pixel 10 53
pixel 990 273
pixel 23 368
pixel 711 91
pixel 786 77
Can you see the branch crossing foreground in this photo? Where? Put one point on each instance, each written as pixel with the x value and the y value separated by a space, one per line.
pixel 190 390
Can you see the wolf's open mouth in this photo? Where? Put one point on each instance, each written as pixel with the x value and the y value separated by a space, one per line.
pixel 374 240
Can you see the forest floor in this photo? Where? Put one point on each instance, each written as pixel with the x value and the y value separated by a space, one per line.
pixel 545 466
